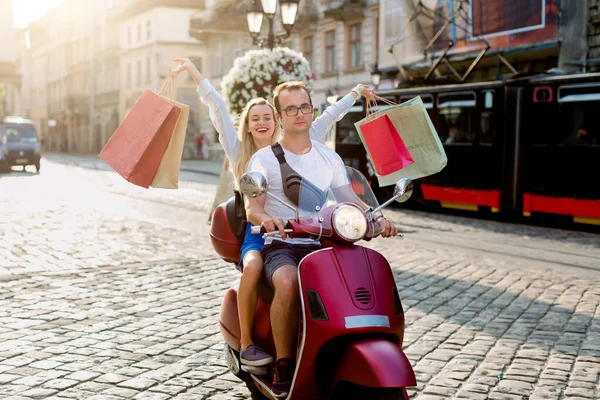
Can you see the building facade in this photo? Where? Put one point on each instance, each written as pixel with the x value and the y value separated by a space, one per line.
pixel 87 62
pixel 72 84
pixel 10 78
pixel 151 34
pixel 335 36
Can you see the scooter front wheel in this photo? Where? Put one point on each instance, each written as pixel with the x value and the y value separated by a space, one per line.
pixel 348 390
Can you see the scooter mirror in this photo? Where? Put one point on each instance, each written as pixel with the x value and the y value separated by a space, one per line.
pixel 253 184
pixel 403 190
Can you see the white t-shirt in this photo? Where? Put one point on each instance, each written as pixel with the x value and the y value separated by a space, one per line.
pixel 219 115
pixel 321 166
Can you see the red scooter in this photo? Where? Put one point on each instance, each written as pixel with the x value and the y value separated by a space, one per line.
pixel 351 324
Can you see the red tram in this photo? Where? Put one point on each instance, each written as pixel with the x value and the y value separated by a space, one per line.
pixel 527 147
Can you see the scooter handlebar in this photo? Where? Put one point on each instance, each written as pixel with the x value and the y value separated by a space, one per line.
pixel 257 230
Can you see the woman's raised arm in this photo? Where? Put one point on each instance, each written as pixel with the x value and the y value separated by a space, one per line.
pixel 336 111
pixel 218 111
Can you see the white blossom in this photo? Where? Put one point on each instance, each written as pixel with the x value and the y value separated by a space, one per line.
pixel 252 75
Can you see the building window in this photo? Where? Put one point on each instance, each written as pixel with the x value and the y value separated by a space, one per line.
pixel 148 30
pixel 128 75
pixel 393 20
pixel 139 72
pixel 128 36
pixel 139 33
pixel 219 60
pixel 148 69
pixel 330 51
pixel 307 49
pixel 355 44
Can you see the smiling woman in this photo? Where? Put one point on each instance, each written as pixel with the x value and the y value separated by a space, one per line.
pixel 26 11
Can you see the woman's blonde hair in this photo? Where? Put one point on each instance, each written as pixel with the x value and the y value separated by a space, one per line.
pixel 246 140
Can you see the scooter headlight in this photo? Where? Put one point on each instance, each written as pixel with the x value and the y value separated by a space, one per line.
pixel 349 222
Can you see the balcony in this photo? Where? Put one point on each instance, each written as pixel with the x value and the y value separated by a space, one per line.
pixel 129 8
pixel 9 73
pixel 226 16
pixel 308 17
pixel 343 10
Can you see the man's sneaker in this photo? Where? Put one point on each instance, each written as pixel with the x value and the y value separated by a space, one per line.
pixel 282 381
pixel 255 356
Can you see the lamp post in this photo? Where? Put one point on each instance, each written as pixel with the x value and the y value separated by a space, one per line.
pixel 268 8
pixel 375 76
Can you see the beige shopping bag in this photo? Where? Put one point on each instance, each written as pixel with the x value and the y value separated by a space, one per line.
pixel 412 123
pixel 167 175
pixel 136 148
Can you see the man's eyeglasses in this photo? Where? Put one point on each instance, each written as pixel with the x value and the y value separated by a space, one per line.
pixel 292 111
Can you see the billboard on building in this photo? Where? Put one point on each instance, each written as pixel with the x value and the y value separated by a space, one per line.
pixel 504 24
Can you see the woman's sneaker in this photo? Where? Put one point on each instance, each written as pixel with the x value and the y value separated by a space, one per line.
pixel 255 356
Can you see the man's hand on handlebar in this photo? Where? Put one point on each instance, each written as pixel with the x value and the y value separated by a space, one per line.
pixel 389 230
pixel 274 224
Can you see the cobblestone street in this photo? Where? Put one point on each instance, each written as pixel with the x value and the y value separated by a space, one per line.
pixel 110 291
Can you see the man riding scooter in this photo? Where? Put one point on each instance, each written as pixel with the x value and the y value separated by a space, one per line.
pixel 282 256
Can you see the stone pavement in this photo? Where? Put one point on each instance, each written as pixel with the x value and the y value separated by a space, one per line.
pixel 113 292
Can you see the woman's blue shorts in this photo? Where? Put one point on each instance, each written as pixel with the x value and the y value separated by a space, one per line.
pixel 251 242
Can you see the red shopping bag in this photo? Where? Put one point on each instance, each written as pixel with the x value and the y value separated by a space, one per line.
pixel 136 148
pixel 388 152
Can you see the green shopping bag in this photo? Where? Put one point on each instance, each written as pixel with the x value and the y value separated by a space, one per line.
pixel 413 125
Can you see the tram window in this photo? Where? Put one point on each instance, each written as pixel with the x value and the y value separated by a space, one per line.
pixel 455 117
pixel 486 120
pixel 486 127
pixel 346 131
pixel 426 98
pixel 489 99
pixel 579 92
pixel 579 124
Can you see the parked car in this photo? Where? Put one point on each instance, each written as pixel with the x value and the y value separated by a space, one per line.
pixel 19 143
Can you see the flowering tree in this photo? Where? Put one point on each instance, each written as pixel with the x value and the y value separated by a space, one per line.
pixel 258 72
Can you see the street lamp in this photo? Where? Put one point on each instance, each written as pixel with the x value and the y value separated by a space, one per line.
pixel 375 76
pixel 268 8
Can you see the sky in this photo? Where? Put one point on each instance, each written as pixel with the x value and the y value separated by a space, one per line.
pixel 30 10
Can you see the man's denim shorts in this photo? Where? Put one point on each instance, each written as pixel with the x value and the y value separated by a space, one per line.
pixel 278 253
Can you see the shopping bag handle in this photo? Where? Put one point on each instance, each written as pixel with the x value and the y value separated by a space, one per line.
pixel 372 103
pixel 168 88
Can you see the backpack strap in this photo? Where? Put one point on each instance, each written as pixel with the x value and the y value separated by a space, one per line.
pixel 279 154
pixel 291 180
pixel 240 214
pixel 293 183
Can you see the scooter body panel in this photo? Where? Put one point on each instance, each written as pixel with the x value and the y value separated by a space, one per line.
pixel 355 287
pixel 375 363
pixel 229 322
